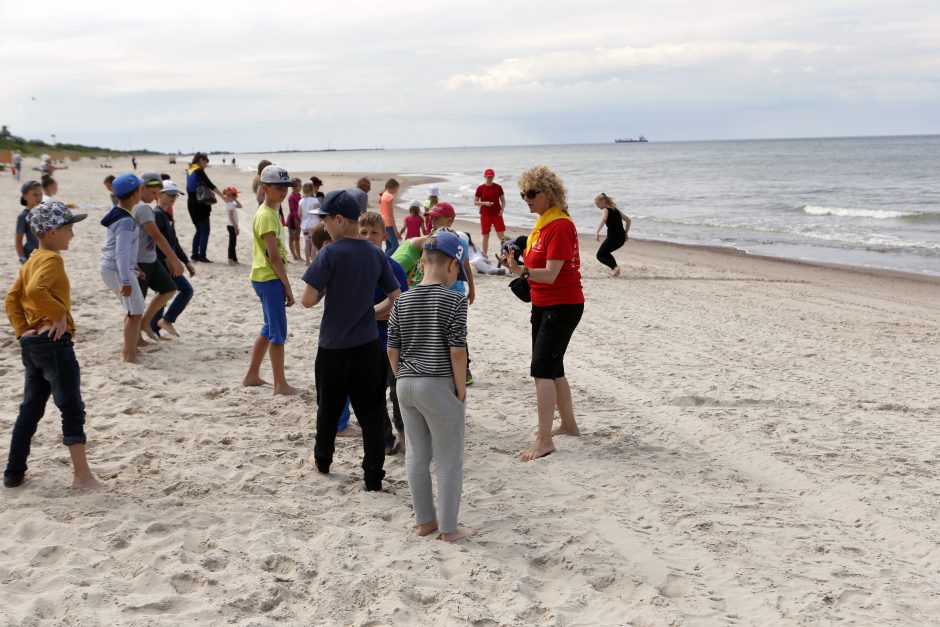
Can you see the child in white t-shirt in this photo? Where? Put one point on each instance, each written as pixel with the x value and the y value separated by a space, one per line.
pixel 480 263
pixel 308 217
pixel 230 196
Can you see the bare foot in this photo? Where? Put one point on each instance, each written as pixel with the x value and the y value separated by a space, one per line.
pixel 460 534
pixel 167 326
pixel 86 482
pixel 285 390
pixel 564 429
pixel 153 336
pixel 142 343
pixel 537 450
pixel 351 431
pixel 401 441
pixel 616 272
pixel 426 528
pixel 251 381
pixel 132 360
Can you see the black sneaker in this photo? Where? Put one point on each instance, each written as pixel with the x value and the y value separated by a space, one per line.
pixel 13 482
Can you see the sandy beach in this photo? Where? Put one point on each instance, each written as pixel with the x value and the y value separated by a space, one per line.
pixel 761 447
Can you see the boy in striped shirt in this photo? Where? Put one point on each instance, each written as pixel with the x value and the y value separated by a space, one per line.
pixel 427 348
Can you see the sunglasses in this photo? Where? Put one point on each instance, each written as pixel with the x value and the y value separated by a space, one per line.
pixel 530 194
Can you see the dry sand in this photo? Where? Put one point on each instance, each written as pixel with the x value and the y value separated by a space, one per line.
pixel 761 446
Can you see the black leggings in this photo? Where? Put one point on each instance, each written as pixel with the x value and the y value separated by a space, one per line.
pixel 604 252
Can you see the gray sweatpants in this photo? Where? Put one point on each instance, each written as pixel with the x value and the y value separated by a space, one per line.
pixel 434 429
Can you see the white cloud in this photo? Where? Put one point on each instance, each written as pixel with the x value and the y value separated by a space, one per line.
pixel 563 67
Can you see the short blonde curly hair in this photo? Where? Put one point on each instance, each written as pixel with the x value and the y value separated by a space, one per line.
pixel 544 180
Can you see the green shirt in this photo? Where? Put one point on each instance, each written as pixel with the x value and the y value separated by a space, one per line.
pixel 408 257
pixel 266 221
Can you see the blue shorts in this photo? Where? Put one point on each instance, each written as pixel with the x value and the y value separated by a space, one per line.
pixel 272 297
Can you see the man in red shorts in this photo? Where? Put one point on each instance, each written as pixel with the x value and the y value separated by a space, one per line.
pixel 491 201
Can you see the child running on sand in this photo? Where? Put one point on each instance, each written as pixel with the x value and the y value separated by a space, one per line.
pixel 26 242
pixel 349 359
pixel 427 347
pixel 38 306
pixel 232 205
pixel 119 259
pixel 270 282
pixel 618 228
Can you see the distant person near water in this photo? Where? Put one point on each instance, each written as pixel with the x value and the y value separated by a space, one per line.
pixel 616 233
pixel 552 267
pixel 17 164
pixel 387 205
pixel 491 200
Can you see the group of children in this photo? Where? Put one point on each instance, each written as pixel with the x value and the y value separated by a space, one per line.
pixel 141 252
pixel 421 349
pixel 375 332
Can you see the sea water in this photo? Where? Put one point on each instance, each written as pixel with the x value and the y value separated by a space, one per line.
pixel 872 202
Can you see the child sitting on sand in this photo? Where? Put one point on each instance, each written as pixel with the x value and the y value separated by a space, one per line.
pixel 38 306
pixel 349 359
pixel 480 263
pixel 270 282
pixel 427 348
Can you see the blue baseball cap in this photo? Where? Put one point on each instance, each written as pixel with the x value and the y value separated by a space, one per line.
pixel 339 203
pixel 448 243
pixel 125 184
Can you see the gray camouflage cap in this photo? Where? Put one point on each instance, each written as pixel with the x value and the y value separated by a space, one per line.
pixel 52 215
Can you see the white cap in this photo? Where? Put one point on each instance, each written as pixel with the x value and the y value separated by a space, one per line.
pixel 169 187
pixel 276 175
pixel 415 203
pixel 434 190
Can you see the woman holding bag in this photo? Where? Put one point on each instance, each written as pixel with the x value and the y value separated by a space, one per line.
pixel 552 268
pixel 201 197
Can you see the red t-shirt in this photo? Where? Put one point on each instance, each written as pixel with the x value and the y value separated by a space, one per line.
pixel 492 194
pixel 558 240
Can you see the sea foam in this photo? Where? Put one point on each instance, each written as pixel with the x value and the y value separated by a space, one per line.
pixel 876 214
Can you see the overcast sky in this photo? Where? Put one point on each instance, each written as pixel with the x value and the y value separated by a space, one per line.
pixel 362 73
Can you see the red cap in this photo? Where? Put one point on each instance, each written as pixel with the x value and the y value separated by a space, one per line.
pixel 489 172
pixel 442 210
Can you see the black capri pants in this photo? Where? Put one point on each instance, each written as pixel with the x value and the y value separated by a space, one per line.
pixel 552 328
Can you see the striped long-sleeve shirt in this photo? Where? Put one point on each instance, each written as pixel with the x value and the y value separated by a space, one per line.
pixel 427 322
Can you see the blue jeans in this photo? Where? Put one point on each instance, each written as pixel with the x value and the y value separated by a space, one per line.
pixel 184 294
pixel 391 242
pixel 51 369
pixel 201 239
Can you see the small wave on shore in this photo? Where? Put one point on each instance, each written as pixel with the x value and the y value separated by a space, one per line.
pixel 875 214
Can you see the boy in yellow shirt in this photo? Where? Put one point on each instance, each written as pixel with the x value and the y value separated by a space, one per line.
pixel 270 282
pixel 38 307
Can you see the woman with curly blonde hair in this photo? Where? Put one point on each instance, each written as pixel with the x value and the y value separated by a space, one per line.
pixel 552 268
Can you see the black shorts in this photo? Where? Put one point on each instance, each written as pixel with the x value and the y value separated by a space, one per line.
pixel 156 278
pixel 552 328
